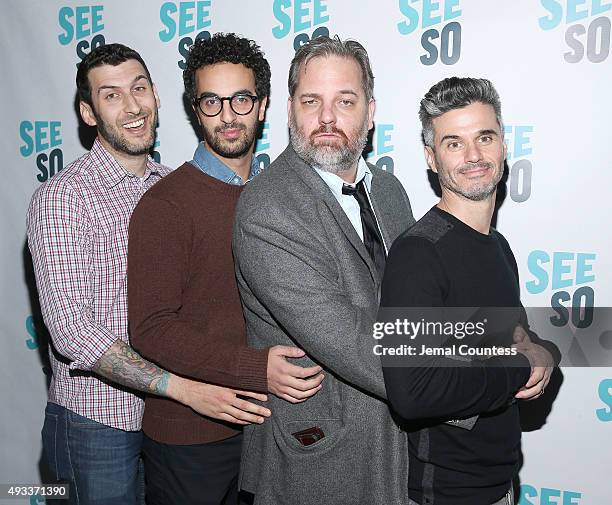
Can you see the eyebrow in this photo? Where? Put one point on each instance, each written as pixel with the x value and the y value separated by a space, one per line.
pixel 243 91
pixel 317 95
pixel 480 134
pixel 136 79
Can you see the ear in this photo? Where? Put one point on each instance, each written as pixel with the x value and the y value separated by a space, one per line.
pixel 289 112
pixel 263 103
pixel 157 101
pixel 430 157
pixel 196 113
pixel 87 114
pixel 371 110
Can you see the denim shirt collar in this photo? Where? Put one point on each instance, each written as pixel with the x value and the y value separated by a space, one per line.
pixel 213 166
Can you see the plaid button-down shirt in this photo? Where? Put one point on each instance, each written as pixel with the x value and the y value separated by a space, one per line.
pixel 78 235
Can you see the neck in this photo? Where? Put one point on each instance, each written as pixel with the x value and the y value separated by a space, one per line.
pixel 134 163
pixel 349 175
pixel 476 215
pixel 241 165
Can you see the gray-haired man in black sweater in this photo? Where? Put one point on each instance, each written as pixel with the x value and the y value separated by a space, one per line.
pixel 463 421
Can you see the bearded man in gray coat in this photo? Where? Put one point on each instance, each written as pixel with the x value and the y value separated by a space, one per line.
pixel 310 242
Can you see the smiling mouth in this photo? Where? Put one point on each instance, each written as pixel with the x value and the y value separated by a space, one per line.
pixel 476 170
pixel 134 124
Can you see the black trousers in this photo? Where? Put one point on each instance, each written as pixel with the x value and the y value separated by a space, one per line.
pixel 202 474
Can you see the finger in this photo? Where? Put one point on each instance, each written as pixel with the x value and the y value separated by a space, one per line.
pixel 291 399
pixel 301 384
pixel 298 394
pixel 253 408
pixel 241 415
pixel 537 374
pixel 301 372
pixel 290 352
pixel 257 396
pixel 312 392
pixel 519 334
pixel 287 381
pixel 527 394
pixel 232 419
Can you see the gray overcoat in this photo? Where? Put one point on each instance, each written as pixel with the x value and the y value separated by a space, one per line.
pixel 306 279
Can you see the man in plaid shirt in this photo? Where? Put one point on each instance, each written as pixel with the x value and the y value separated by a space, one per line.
pixel 78 232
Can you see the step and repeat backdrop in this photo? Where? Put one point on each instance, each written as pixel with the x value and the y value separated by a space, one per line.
pixel 550 61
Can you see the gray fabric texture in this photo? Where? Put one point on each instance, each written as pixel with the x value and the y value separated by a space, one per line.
pixel 306 279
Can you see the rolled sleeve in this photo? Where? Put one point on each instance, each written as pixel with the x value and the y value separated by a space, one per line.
pixel 60 243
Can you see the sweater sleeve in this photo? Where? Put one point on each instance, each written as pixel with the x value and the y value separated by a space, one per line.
pixel 547 344
pixel 437 386
pixel 158 271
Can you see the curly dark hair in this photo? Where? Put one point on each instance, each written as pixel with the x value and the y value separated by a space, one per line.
pixel 109 54
pixel 227 48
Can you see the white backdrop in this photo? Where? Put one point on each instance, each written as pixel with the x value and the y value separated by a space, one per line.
pixel 550 61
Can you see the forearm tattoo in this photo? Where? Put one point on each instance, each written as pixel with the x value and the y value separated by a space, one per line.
pixel 124 365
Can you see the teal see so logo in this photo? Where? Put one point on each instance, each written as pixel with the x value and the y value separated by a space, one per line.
pixel 588 31
pixel 382 146
pixel 183 19
pixel 262 145
pixel 519 147
pixel 530 495
pixel 78 24
pixel 300 17
pixel 605 395
pixel 43 138
pixel 439 42
pixel 563 271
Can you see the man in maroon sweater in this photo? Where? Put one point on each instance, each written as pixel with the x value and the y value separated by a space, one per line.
pixel 184 307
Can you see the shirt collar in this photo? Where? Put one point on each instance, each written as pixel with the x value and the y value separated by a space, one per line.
pixel 110 170
pixel 213 166
pixel 335 182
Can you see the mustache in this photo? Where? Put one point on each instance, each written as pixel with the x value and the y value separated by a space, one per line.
pixel 471 166
pixel 233 126
pixel 328 129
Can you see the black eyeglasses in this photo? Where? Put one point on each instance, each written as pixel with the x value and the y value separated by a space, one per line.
pixel 212 106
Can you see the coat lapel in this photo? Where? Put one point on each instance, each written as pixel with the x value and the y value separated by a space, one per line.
pixel 328 200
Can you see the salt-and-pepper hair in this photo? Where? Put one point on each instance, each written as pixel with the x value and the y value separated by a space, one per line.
pixel 325 46
pixel 456 93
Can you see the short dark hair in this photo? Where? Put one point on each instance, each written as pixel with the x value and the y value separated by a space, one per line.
pixel 227 48
pixel 324 47
pixel 456 93
pixel 109 54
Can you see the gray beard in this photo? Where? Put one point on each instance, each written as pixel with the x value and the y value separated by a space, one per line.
pixel 331 159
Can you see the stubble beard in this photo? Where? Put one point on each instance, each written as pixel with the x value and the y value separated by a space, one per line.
pixel 332 156
pixel 475 193
pixel 235 148
pixel 119 142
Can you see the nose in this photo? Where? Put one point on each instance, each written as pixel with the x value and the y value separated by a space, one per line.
pixel 131 104
pixel 227 115
pixel 327 114
pixel 472 153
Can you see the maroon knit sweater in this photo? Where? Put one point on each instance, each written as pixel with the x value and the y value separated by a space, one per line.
pixel 184 307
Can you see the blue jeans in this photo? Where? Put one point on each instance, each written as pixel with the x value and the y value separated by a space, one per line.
pixel 101 464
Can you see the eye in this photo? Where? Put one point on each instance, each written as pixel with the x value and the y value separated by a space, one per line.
pixel 210 101
pixel 486 139
pixel 310 101
pixel 346 102
pixel 111 97
pixel 240 99
pixel 140 88
pixel 454 145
